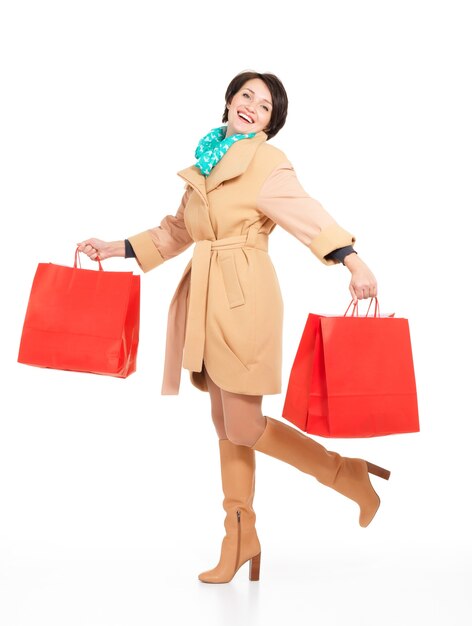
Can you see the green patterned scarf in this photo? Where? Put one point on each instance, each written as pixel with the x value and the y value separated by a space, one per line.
pixel 213 146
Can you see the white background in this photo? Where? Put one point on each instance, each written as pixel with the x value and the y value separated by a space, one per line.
pixel 110 495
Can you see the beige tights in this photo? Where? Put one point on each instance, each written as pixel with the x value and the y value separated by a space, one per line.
pixel 237 417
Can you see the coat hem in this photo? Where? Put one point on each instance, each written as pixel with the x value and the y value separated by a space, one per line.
pixel 198 377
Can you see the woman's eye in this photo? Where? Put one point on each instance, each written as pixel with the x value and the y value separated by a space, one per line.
pixel 246 94
pixel 266 108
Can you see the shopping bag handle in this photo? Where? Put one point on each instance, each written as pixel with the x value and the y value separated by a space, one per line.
pixel 77 258
pixel 356 310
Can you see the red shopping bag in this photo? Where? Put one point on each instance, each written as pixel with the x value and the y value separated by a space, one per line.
pixel 353 377
pixel 82 320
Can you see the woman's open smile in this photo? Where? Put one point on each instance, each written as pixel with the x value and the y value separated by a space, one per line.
pixel 250 109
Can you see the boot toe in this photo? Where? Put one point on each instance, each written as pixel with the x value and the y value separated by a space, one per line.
pixel 368 511
pixel 205 577
pixel 212 576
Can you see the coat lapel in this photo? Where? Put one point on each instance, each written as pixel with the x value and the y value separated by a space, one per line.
pixel 234 163
pixel 195 178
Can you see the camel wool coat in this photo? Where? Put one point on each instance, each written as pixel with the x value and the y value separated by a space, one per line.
pixel 227 309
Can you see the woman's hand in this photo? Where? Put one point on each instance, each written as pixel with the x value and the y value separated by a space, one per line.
pixel 96 248
pixel 363 283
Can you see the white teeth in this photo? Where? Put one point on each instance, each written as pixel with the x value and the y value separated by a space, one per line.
pixel 245 117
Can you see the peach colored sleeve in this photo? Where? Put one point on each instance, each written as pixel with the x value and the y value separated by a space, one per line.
pixel 156 245
pixel 286 203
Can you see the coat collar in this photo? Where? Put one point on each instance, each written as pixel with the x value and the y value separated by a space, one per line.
pixel 234 163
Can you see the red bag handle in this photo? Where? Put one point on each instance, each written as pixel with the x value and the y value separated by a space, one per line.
pixel 77 258
pixel 356 310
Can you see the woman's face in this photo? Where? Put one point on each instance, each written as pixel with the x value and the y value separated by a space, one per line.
pixel 252 101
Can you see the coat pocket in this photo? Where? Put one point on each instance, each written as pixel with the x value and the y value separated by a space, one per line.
pixel 234 292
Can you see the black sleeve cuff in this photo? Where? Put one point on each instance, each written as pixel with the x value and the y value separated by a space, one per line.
pixel 129 252
pixel 340 253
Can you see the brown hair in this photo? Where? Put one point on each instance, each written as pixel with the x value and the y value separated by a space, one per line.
pixel 277 91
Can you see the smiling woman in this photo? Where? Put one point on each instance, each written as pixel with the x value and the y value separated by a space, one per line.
pixel 255 102
pixel 249 110
pixel 225 319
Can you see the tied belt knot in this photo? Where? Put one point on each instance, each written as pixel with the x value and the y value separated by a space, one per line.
pixel 187 312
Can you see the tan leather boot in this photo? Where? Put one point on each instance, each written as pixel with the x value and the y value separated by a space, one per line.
pixel 346 475
pixel 241 544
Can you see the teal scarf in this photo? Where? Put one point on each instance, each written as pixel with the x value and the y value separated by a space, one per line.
pixel 213 146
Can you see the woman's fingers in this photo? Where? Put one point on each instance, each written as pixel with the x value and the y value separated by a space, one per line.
pixel 362 294
pixel 363 286
pixel 367 292
pixel 353 293
pixel 91 247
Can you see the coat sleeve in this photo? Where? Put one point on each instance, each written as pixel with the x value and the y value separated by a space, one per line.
pixel 285 202
pixel 156 245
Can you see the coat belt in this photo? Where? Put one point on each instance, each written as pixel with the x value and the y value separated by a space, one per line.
pixel 185 341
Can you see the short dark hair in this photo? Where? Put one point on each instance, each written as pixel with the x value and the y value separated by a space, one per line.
pixel 277 91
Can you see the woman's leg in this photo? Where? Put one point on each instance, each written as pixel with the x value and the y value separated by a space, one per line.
pixel 244 422
pixel 217 414
pixel 238 465
pixel 245 425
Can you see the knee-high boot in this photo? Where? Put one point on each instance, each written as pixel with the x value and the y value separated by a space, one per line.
pixel 349 476
pixel 241 542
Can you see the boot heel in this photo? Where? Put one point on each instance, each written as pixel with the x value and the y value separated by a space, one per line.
pixel 254 567
pixel 378 471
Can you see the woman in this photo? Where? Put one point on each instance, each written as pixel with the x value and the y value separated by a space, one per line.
pixel 225 319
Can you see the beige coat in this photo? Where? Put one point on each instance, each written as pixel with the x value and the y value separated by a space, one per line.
pixel 227 309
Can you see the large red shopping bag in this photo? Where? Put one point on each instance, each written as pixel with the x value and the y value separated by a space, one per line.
pixel 353 377
pixel 82 320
